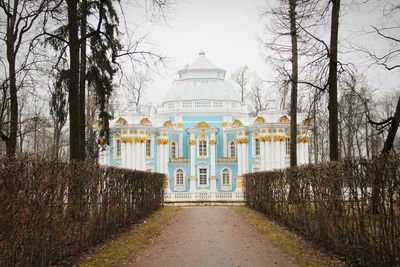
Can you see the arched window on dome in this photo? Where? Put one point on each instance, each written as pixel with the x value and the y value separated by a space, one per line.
pixel 173 150
pixel 232 149
pixel 179 180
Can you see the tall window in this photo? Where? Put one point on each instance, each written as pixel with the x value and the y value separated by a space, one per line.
pixel 257 146
pixel 173 150
pixel 203 176
pixel 118 148
pixel 233 149
pixel 202 148
pixel 287 148
pixel 148 148
pixel 179 177
pixel 226 179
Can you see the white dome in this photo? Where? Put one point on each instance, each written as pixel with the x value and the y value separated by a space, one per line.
pixel 202 81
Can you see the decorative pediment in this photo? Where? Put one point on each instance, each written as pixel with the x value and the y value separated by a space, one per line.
pixel 259 120
pixel 121 121
pixel 284 119
pixel 237 123
pixel 167 124
pixel 145 121
pixel 203 126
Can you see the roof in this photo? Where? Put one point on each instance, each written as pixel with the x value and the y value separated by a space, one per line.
pixel 202 80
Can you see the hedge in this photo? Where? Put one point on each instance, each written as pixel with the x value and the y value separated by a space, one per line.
pixel 50 210
pixel 330 204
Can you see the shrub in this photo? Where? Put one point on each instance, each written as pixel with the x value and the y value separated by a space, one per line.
pixel 50 210
pixel 330 203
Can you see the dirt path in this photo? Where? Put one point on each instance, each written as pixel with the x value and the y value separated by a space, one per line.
pixel 209 236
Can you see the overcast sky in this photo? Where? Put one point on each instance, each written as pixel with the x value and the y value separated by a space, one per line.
pixel 229 30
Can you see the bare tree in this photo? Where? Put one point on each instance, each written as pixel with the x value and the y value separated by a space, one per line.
pixel 241 78
pixel 19 20
pixel 257 97
pixel 135 87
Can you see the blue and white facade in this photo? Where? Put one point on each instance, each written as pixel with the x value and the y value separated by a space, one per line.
pixel 203 138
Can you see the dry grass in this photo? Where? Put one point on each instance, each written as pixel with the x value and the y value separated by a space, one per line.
pixel 121 251
pixel 301 252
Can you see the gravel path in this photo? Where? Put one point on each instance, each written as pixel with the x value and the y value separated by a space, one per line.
pixel 209 236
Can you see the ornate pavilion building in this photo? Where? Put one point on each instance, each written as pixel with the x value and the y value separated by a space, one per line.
pixel 203 138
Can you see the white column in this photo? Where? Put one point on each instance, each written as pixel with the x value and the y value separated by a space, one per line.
pixel 166 159
pixel 129 155
pixel 143 156
pixel 306 147
pixel 192 177
pixel 180 145
pixel 273 154
pixel 213 177
pixel 239 158
pixel 123 155
pixel 160 156
pixel 137 155
pixel 263 155
pixel 224 143
pixel 245 158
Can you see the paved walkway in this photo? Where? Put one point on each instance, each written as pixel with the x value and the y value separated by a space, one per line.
pixel 209 236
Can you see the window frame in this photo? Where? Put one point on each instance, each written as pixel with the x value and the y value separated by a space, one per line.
pixel 117 148
pixel 255 142
pixel 179 187
pixel 230 149
pixel 199 150
pixel 224 186
pixel 173 144
pixel 206 176
pixel 287 146
pixel 150 148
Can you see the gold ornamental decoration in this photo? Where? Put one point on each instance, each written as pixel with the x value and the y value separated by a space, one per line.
pixel 167 124
pixel 145 121
pixel 259 120
pixel 213 142
pixel 267 138
pixel 279 138
pixel 303 139
pixel 284 119
pixel 179 124
pixel 237 123
pixel 121 121
pixel 242 140
pixel 192 142
pixel 225 124
pixel 125 140
pixel 140 139
pixel 162 141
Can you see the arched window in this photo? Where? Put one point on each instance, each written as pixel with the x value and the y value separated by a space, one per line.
pixel 226 177
pixel 148 148
pixel 179 179
pixel 173 150
pixel 232 147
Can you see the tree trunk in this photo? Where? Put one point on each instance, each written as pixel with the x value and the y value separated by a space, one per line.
pixel 333 103
pixel 294 80
pixel 392 130
pixel 82 81
pixel 73 96
pixel 11 142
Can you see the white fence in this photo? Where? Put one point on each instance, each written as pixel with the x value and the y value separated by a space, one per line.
pixel 204 196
